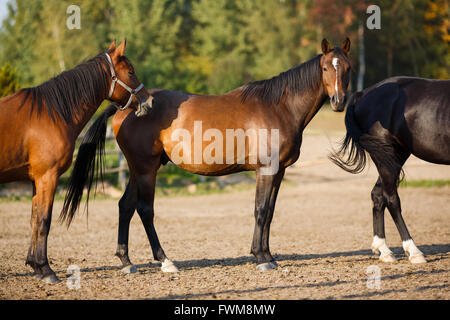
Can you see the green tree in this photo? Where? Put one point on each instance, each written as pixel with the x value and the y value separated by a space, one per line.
pixel 153 39
pixel 206 46
pixel 17 38
pixel 237 41
pixel 36 41
pixel 217 56
pixel 405 45
pixel 271 37
pixel 436 26
pixel 9 82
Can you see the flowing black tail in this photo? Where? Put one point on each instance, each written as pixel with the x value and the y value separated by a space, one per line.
pixel 356 143
pixel 356 158
pixel 87 167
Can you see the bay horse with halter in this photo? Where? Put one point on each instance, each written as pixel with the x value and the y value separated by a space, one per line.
pixel 390 121
pixel 41 124
pixel 269 114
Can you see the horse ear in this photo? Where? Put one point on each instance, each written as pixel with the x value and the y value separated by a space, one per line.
pixel 121 48
pixel 346 46
pixel 325 46
pixel 112 47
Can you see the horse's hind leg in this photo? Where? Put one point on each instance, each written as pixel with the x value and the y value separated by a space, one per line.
pixel 379 239
pixel 389 182
pixel 127 206
pixel 44 191
pixel 266 230
pixel 393 204
pixel 146 196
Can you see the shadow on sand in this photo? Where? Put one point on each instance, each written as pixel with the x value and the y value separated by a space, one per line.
pixel 238 261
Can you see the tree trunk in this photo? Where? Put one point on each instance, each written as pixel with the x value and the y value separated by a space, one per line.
pixel 59 51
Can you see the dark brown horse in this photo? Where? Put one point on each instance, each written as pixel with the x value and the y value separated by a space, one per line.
pixel 256 127
pixel 390 121
pixel 40 125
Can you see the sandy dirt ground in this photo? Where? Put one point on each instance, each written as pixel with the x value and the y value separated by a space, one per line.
pixel 320 235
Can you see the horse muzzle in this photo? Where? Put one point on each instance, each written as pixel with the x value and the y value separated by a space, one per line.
pixel 144 107
pixel 337 102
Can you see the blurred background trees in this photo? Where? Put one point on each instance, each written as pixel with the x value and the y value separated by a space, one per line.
pixel 213 46
pixel 9 82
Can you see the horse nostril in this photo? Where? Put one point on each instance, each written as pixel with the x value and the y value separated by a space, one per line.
pixel 333 99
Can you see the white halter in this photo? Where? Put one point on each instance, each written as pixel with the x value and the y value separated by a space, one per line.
pixel 115 80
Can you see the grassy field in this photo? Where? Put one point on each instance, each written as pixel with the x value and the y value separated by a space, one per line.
pixel 424 183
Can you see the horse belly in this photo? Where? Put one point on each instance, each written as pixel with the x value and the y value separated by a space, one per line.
pixel 222 151
pixel 429 130
pixel 434 150
pixel 13 159
pixel 15 174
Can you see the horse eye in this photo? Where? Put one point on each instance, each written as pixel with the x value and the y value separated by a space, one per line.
pixel 130 73
pixel 325 69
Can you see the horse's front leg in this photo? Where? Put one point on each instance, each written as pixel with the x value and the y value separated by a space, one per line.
pixel 44 191
pixel 266 231
pixel 267 187
pixel 393 204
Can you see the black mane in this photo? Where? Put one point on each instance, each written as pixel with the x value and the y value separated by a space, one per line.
pixel 295 80
pixel 85 85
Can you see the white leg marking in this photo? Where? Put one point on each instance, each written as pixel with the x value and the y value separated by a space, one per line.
pixel 168 266
pixel 266 266
pixel 129 269
pixel 413 253
pixel 379 246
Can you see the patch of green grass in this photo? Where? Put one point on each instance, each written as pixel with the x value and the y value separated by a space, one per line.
pixel 424 183
pixel 15 199
pixel 171 181
pixel 58 197
pixel 174 181
pixel 201 189
pixel 171 175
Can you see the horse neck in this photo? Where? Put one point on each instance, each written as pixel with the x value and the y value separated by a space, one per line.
pixel 303 107
pixel 86 112
pixel 82 118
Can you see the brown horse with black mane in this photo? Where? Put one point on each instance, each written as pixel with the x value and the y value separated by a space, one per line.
pixel 258 119
pixel 40 125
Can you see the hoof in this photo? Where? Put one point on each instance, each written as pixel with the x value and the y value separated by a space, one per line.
pixel 266 266
pixel 388 258
pixel 168 266
pixel 37 276
pixel 417 259
pixel 274 263
pixel 129 269
pixel 51 279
